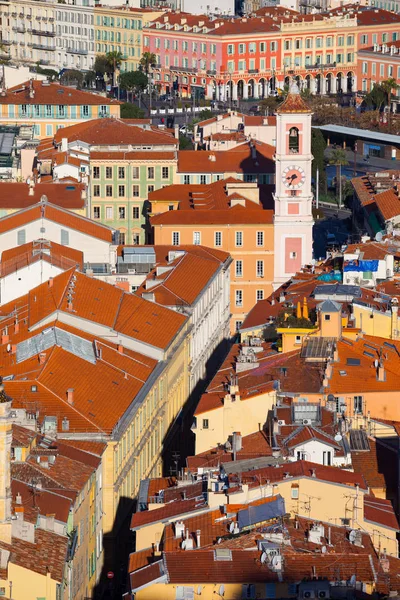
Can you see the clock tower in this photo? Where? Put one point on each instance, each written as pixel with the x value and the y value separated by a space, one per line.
pixel 293 220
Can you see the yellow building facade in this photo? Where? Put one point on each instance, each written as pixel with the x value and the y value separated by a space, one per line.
pixel 119 29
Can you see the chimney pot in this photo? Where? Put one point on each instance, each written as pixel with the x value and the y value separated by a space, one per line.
pixel 120 348
pixel 42 358
pixel 50 282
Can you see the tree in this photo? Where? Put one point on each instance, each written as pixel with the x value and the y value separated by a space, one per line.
pixel 148 59
pixel 388 86
pixel 90 77
pixel 270 104
pixel 133 81
pixel 185 143
pixel 131 111
pixel 72 75
pixel 318 146
pixel 339 159
pixel 101 64
pixel 114 60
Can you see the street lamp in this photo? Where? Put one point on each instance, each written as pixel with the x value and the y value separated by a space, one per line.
pixel 230 86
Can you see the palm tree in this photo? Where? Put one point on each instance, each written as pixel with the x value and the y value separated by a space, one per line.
pixel 339 159
pixel 114 59
pixel 148 59
pixel 388 86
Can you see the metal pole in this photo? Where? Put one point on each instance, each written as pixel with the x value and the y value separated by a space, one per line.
pixel 340 186
pixel 317 189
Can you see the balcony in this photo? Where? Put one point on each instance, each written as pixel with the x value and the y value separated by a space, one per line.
pixel 19 29
pixel 183 69
pixel 322 66
pixel 76 51
pixel 253 71
pixel 42 47
pixel 45 33
pixel 6 42
pixel 211 72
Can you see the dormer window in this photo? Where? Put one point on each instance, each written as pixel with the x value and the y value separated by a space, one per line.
pixel 294 141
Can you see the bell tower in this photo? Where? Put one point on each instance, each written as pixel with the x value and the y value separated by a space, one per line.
pixel 293 220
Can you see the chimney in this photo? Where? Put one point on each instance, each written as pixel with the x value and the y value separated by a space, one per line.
pixel 83 193
pixel 18 499
pixel 5 480
pixel 51 282
pixel 198 532
pixel 31 89
pixel 70 396
pixel 42 358
pixel 31 188
pixel 120 348
pixel 64 144
pixel 19 513
pixel 5 338
pixel 16 326
pixel 313 473
pixel 381 372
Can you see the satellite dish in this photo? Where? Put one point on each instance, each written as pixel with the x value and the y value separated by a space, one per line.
pixel 376 363
pixel 276 561
pixel 338 437
pixel 8 347
pixel 183 546
pixel 232 527
pixel 263 558
pixel 379 236
pixel 323 550
pixel 352 536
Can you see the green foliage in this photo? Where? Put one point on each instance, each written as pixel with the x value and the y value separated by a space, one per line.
pixel 133 81
pixel 148 59
pixel 270 104
pixel 318 146
pixel 287 318
pixel 185 143
pixel 338 157
pixel 90 77
pixel 72 76
pixel 206 114
pixel 114 60
pixel 49 73
pixel 131 111
pixel 101 64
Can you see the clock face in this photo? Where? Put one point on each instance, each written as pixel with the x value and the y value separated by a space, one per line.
pixel 293 177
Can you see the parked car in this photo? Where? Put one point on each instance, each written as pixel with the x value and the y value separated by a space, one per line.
pixel 166 97
pixel 184 130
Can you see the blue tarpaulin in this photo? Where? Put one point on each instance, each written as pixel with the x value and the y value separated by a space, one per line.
pixel 330 277
pixel 362 265
pixel 261 512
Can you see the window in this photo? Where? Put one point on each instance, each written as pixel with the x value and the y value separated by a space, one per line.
pixel 203 179
pixel 109 213
pixel 135 212
pixel 135 239
pixel 165 172
pixel 239 298
pixel 64 237
pixel 259 295
pixel 358 405
pixel 186 179
pixel 329 42
pixel 135 172
pixel 170 207
pixel 150 188
pixel 121 212
pixel 109 191
pixel 294 140
pixel 218 238
pixel 238 325
pixel 365 68
pixel 150 172
pixel 326 458
pixel 239 268
pixel 252 47
pixel 288 44
pixel 231 49
pixel 260 268
pixel 108 172
pixel 301 455
pixel 294 493
pixel 175 238
pixel 239 239
pixel 135 191
pixel 297 44
pixel 327 317
pixel 96 212
pixel 205 423
pixel 96 191
pixel 364 39
pixel 21 237
pixel 242 48
pixel 297 339
pixel 196 238
pixel 121 172
pixel 263 46
pixel 121 191
pixel 96 172
pixel 260 238
pixel 121 235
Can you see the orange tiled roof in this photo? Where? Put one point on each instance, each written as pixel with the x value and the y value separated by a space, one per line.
pixel 115 132
pixel 16 196
pixel 19 257
pixel 169 511
pixel 388 204
pixel 380 511
pixel 293 103
pixel 52 93
pixel 236 160
pixel 57 215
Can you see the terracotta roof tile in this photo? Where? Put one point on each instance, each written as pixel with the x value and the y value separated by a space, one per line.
pixel 293 103
pixel 16 195
pixel 388 204
pixel 19 257
pixel 380 511
pixel 376 465
pixel 164 513
pixel 53 93
pixel 236 160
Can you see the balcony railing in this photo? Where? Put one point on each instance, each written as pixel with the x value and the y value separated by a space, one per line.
pixel 322 66
pixel 45 33
pixel 184 69
pixel 253 71
pixel 19 29
pixel 211 72
pixel 76 51
pixel 43 47
pixel 6 42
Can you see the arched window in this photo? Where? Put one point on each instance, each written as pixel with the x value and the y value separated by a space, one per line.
pixel 294 140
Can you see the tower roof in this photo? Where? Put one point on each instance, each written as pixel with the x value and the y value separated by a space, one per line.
pixel 293 103
pixel 330 306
